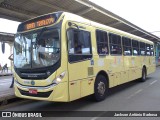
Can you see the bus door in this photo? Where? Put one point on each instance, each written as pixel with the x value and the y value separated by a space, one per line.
pixel 79 60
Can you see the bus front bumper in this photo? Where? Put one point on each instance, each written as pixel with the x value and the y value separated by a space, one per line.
pixel 54 92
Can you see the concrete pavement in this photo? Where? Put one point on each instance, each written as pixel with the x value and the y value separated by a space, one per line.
pixel 5 73
pixel 6 93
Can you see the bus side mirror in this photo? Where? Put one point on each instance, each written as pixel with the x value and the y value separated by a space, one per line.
pixel 69 24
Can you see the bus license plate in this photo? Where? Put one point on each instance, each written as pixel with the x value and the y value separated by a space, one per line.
pixel 32 91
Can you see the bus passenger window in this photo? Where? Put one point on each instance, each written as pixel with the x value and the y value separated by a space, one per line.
pixel 127 49
pixel 148 49
pixel 115 44
pixel 152 50
pixel 142 49
pixel 102 42
pixel 77 49
pixel 105 50
pixel 79 45
pixel 135 47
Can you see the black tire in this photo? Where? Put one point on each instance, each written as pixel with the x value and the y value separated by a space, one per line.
pixel 144 75
pixel 100 88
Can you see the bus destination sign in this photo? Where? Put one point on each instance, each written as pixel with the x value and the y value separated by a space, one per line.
pixel 40 23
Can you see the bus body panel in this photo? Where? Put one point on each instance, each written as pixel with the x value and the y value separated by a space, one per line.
pixel 80 76
pixel 81 82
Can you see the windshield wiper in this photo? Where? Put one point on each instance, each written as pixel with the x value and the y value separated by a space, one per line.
pixel 39 36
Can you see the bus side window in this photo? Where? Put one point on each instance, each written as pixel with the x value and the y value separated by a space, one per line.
pixel 79 45
pixel 127 49
pixel 102 42
pixel 142 48
pixel 151 50
pixel 115 44
pixel 148 49
pixel 135 47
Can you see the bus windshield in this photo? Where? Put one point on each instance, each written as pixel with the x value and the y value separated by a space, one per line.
pixel 37 49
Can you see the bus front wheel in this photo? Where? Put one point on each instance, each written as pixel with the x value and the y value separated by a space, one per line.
pixel 100 88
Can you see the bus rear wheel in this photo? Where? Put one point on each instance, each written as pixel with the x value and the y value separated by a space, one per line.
pixel 144 75
pixel 100 88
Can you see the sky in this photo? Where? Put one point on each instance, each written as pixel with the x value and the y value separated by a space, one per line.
pixel 8 26
pixel 143 13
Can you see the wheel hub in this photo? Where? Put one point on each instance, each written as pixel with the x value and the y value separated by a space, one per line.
pixel 101 88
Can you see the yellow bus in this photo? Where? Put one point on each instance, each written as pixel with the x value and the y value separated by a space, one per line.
pixel 63 57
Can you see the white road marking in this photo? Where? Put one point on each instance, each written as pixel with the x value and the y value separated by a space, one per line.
pixel 138 91
pixel 153 82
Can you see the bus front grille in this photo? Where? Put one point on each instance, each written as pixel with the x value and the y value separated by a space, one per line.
pixel 39 94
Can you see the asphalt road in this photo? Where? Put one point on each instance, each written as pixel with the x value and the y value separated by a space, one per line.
pixel 133 96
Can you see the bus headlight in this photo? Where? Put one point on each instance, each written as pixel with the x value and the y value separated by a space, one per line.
pixel 59 78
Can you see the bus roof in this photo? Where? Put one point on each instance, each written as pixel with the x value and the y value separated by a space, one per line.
pixel 76 18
